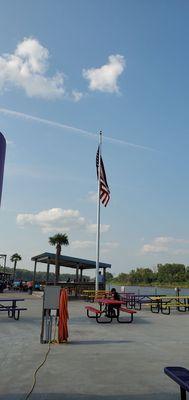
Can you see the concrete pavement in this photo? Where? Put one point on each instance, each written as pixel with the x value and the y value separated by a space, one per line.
pixel 100 362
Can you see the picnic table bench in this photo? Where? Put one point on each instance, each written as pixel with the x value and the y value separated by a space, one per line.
pixel 12 309
pixel 179 375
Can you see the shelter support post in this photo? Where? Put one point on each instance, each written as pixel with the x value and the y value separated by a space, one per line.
pixel 77 280
pixel 48 269
pixel 77 273
pixel 58 273
pixel 34 273
pixel 81 274
pixel 104 277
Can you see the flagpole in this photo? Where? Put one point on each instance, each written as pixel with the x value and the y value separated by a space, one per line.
pixel 98 217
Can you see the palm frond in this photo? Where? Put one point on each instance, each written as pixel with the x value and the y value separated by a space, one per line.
pixel 59 238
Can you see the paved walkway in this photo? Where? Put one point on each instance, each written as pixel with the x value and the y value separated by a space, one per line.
pixel 101 362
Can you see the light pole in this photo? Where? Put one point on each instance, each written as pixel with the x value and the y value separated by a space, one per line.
pixel 2 160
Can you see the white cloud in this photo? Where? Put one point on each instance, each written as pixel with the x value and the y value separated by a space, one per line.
pixel 150 248
pixel 82 244
pixel 108 246
pixel 53 220
pixel 45 216
pixel 34 54
pixel 181 252
pixel 92 197
pixel 57 220
pixel 26 69
pixel 77 96
pixel 92 228
pixel 85 244
pixel 162 240
pixel 166 244
pixel 105 78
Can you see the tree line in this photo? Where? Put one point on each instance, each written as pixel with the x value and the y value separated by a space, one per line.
pixel 162 274
pixel 27 275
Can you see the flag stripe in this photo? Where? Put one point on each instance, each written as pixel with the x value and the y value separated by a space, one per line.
pixel 104 188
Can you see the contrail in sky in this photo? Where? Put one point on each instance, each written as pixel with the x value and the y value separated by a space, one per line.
pixel 28 117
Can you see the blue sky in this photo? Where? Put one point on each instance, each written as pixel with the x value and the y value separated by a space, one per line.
pixel 67 70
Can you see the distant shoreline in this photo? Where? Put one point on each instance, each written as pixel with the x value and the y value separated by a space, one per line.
pixel 163 286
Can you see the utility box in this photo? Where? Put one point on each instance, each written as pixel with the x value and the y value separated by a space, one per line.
pixel 51 297
pixel 50 313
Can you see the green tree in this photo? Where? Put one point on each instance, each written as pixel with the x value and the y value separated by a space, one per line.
pixel 109 276
pixel 170 273
pixel 138 276
pixel 122 278
pixel 133 279
pixel 146 275
pixel 15 258
pixel 58 240
pixel 187 273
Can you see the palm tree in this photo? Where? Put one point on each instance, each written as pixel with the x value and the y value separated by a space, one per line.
pixel 58 240
pixel 15 258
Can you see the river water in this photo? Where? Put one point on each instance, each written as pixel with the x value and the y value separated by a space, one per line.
pixel 148 290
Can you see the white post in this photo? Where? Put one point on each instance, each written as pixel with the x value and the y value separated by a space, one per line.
pixel 98 217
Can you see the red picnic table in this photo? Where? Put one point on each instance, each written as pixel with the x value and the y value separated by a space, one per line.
pixel 109 309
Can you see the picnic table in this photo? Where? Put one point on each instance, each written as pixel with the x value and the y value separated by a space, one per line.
pixel 91 295
pixel 157 303
pixel 136 301
pixel 103 314
pixel 164 304
pixel 12 308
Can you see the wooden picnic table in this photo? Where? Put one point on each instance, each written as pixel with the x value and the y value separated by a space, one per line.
pixel 12 308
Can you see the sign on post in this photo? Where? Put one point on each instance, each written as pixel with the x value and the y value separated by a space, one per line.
pixel 2 161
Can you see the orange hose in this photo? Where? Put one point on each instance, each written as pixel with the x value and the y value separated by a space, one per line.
pixel 63 316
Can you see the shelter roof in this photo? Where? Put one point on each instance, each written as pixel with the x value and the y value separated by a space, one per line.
pixel 70 262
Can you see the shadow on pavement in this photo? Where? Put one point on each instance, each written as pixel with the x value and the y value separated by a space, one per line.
pixel 100 341
pixel 67 396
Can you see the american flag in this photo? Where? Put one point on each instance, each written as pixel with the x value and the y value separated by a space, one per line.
pixel 104 189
